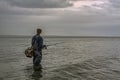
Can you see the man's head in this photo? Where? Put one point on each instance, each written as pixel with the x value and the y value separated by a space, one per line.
pixel 39 31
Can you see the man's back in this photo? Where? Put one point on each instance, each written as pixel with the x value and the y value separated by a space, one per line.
pixel 37 42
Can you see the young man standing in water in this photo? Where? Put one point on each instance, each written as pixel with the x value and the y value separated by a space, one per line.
pixel 37 45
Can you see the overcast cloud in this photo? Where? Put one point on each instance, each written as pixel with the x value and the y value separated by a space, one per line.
pixel 39 3
pixel 60 17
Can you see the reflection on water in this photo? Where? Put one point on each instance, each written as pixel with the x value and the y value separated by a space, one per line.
pixel 37 74
pixel 33 72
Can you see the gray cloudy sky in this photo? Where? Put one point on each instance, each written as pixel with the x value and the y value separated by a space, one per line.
pixel 60 17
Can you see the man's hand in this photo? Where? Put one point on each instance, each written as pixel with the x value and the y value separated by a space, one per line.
pixel 45 46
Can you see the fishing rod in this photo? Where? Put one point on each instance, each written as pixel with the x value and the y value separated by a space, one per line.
pixel 55 44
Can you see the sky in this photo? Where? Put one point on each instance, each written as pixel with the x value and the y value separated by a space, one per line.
pixel 60 17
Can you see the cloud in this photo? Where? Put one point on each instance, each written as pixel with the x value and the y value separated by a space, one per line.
pixel 53 7
pixel 115 3
pixel 6 9
pixel 39 3
pixel 32 7
pixel 60 17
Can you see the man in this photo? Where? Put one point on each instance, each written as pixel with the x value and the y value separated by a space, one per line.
pixel 37 45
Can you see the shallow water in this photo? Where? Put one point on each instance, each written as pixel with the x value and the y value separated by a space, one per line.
pixel 65 59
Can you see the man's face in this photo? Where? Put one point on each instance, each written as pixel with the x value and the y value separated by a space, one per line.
pixel 39 31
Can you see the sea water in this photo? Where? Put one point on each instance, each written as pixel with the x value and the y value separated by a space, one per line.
pixel 64 59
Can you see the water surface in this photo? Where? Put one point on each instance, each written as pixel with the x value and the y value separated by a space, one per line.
pixel 65 59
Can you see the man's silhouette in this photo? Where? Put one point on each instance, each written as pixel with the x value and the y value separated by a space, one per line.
pixel 37 45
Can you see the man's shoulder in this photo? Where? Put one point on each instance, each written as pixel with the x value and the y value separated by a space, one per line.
pixel 33 36
pixel 40 37
pixel 37 36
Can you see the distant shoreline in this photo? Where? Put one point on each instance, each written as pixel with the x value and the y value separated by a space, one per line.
pixel 24 36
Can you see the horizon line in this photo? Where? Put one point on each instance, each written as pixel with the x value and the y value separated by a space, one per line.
pixel 100 36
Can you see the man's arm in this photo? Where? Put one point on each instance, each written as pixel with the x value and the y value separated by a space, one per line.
pixel 33 40
pixel 41 43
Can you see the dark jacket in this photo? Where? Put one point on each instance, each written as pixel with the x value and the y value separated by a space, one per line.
pixel 37 42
